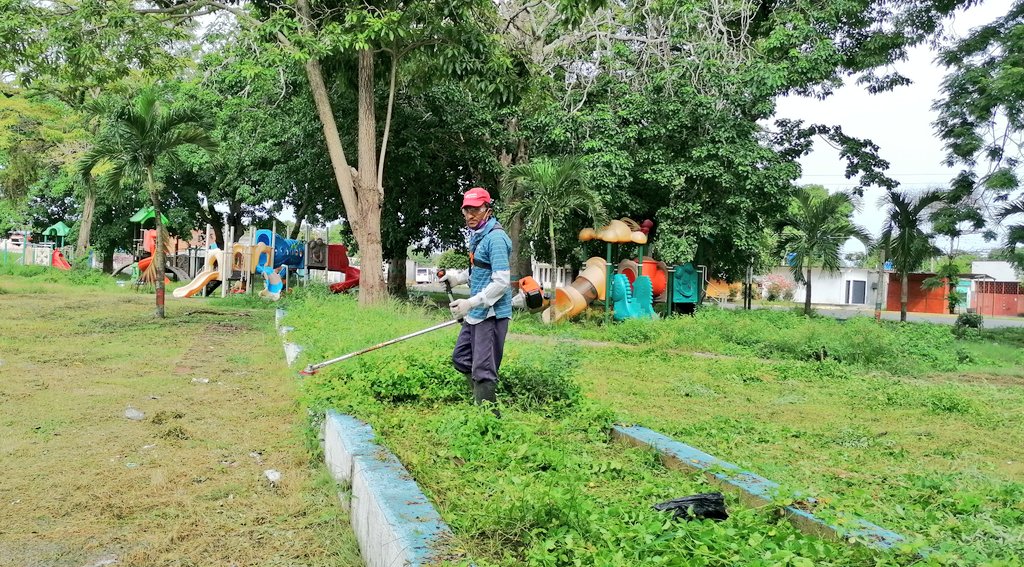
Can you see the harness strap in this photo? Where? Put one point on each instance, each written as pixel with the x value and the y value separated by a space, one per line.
pixel 481 264
pixel 473 261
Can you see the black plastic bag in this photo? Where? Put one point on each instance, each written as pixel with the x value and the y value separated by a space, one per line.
pixel 708 505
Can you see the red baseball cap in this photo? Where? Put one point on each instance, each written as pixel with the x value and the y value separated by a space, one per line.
pixel 475 197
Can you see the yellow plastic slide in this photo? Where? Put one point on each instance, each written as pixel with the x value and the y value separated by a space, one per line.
pixel 211 272
pixel 197 285
pixel 572 300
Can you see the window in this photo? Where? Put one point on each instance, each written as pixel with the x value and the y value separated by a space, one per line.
pixel 856 292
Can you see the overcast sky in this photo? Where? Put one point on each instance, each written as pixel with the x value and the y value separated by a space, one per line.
pixel 900 122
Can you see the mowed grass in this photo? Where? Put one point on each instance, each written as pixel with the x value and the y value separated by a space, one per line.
pixel 82 484
pixel 899 424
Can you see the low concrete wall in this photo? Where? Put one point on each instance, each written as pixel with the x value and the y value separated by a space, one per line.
pixel 393 521
pixel 754 490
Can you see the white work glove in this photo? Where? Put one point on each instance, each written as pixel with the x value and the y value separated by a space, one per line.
pixel 519 300
pixel 455 277
pixel 460 308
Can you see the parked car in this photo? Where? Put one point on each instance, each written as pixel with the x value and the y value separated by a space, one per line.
pixel 423 275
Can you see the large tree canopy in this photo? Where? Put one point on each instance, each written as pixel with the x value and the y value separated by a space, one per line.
pixel 981 119
pixel 381 112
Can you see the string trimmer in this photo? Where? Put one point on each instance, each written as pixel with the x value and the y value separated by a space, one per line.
pixel 314 368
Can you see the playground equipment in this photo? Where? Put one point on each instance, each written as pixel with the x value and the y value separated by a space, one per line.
pixel 572 300
pixel 333 258
pixel 144 249
pixel 595 280
pixel 45 253
pixel 273 257
pixel 274 283
pixel 242 259
pixel 636 302
pixel 59 230
pixel 59 261
pixel 211 272
pixel 635 285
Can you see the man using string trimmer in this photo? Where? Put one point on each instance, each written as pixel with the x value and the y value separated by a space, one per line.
pixel 486 314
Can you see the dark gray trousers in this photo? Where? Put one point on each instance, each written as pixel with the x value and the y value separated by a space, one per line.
pixel 479 348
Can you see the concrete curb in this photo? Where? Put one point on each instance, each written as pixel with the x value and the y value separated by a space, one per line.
pixel 394 522
pixel 291 350
pixel 754 490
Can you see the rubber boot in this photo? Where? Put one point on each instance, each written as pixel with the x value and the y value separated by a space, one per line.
pixel 484 392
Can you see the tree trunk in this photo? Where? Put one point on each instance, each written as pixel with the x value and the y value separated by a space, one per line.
pixel 300 215
pixel 807 300
pixel 372 287
pixel 108 263
pixel 158 252
pixel 903 297
pixel 520 260
pixel 359 191
pixel 85 226
pixel 397 275
pixel 215 223
pixel 554 260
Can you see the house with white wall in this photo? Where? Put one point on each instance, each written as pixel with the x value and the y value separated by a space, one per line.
pixel 998 270
pixel 856 287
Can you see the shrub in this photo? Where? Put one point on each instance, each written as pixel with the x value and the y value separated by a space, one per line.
pixel 634 332
pixel 534 381
pixel 735 290
pixel 453 260
pixel 413 375
pixel 947 400
pixel 965 322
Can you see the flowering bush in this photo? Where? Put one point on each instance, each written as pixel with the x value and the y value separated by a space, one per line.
pixel 778 288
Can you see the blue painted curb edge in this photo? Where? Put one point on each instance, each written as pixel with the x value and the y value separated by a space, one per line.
pixel 394 522
pixel 754 490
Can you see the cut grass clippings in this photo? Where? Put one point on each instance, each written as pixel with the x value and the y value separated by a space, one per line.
pixel 184 485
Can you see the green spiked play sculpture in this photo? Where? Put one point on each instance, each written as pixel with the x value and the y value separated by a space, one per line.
pixel 637 303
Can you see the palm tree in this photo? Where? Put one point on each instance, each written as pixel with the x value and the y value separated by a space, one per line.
pixel 139 136
pixel 903 235
pixel 547 190
pixel 814 231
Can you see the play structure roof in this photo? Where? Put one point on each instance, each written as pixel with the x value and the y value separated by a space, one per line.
pixel 145 214
pixel 59 229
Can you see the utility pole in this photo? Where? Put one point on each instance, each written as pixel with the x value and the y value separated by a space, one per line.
pixel 881 282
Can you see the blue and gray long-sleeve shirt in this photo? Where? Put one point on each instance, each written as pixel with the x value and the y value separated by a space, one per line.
pixel 490 290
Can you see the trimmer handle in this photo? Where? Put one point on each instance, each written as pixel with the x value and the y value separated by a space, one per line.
pixel 447 285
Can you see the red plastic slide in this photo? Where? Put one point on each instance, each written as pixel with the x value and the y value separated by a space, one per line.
pixel 351 280
pixel 59 261
pixel 144 264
